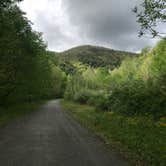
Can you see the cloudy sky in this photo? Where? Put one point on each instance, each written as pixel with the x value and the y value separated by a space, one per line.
pixel 69 23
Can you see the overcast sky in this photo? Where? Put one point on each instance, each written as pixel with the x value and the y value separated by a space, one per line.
pixel 69 23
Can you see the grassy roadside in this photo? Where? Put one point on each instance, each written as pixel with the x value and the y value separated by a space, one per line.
pixel 15 111
pixel 140 138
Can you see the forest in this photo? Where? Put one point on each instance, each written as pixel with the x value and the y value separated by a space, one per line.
pixel 112 80
pixel 128 85
pixel 26 70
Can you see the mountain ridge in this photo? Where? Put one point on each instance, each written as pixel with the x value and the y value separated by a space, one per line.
pixel 95 56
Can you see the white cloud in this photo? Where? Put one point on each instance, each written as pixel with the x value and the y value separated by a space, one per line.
pixel 67 23
pixel 50 18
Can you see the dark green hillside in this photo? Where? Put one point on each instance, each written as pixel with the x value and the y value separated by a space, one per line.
pixel 95 56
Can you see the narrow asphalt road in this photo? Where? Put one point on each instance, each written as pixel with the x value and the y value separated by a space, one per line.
pixel 49 137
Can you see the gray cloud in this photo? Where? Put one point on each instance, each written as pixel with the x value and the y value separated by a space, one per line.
pixel 108 23
pixel 53 33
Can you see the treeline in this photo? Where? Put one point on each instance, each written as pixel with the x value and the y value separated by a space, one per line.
pixel 95 56
pixel 137 87
pixel 26 70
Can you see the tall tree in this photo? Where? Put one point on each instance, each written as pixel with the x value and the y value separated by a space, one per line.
pixel 22 57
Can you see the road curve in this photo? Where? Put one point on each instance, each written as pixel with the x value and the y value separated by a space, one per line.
pixel 49 137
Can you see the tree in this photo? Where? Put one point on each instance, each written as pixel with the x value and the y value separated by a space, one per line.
pixel 150 14
pixel 25 72
pixel 7 3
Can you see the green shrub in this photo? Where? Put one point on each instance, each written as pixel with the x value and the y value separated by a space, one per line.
pixel 82 96
pixel 138 99
pixel 100 100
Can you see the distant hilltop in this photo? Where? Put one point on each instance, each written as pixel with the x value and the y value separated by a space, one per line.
pixel 95 56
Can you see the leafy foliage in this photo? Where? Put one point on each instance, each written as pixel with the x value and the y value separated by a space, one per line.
pixel 152 13
pixel 25 70
pixel 137 87
pixel 140 87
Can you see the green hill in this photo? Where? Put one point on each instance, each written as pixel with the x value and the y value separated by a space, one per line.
pixel 95 56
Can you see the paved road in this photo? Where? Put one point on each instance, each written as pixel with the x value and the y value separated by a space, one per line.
pixel 49 137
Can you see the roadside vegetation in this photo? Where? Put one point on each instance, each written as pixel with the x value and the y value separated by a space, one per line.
pixel 126 106
pixel 27 73
pixel 141 139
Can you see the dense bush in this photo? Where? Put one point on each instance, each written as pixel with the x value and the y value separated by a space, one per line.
pixel 100 100
pixel 82 96
pixel 140 88
pixel 138 101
